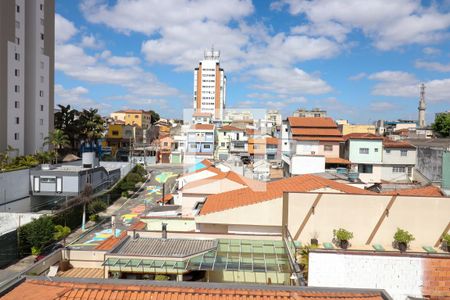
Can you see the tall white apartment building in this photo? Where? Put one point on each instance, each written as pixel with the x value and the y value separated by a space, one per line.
pixel 27 38
pixel 210 85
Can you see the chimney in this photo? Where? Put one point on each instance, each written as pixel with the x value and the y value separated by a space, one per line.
pixel 164 230
pixel 113 225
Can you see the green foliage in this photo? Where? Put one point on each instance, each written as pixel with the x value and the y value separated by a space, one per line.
pixel 446 238
pixel 441 124
pixel 155 117
pixel 403 236
pixel 61 232
pixel 94 218
pixel 58 139
pixel 342 234
pixel 161 277
pixel 304 258
pixel 35 251
pixel 96 206
pixel 124 194
pixel 91 125
pixel 38 234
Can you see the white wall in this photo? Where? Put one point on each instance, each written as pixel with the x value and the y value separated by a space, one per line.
pixel 393 156
pixel 400 276
pixel 373 177
pixel 388 174
pixel 307 164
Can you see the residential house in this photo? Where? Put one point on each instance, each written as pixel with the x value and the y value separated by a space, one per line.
pixel 121 136
pixel 313 113
pixel 265 147
pixel 399 159
pixel 201 118
pixel 200 143
pixel 312 143
pixel 346 128
pixel 165 148
pixel 231 141
pixel 365 152
pixel 140 118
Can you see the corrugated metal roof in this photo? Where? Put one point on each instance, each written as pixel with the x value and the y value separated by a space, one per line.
pixel 155 247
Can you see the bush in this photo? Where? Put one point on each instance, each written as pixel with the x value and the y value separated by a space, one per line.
pixel 125 194
pixel 403 236
pixel 96 206
pixel 36 234
pixel 446 238
pixel 342 234
pixel 35 251
pixel 94 218
pixel 161 277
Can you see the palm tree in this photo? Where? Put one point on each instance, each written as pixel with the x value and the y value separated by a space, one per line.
pixel 61 232
pixel 91 126
pixel 58 140
pixel 67 119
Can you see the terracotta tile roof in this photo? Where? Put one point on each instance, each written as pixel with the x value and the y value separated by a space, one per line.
pixel 324 122
pixel 138 226
pixel 166 198
pixel 318 138
pixel 111 242
pixel 337 160
pixel 316 131
pixel 201 114
pixel 203 127
pixel 362 136
pixel 210 168
pixel 388 143
pixel 431 190
pixel 227 175
pixel 33 289
pixel 266 140
pixel 273 190
pixel 206 162
pixel 230 128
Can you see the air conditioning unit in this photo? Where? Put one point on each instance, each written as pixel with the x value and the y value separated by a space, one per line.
pixel 313 152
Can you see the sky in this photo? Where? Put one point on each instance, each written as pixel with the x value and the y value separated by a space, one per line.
pixel 359 60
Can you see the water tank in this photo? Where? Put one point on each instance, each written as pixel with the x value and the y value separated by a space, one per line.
pixel 89 160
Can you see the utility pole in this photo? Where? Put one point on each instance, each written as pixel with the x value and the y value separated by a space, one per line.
pixel 18 235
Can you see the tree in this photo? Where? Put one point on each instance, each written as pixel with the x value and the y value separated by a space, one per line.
pixel 67 119
pixel 38 233
pixel 58 139
pixel 155 116
pixel 91 126
pixel 441 124
pixel 61 232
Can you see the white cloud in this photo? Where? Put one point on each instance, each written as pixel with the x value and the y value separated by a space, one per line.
pixel 64 29
pixel 358 76
pixel 390 24
pixel 432 66
pixel 431 51
pixel 77 98
pixel 381 106
pixel 289 81
pixel 89 41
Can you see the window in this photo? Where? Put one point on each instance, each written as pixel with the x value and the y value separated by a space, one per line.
pixel 18 8
pixel 376 149
pixel 42 107
pixel 166 144
pixel 17 41
pixel 270 156
pixel 17 88
pixel 41 6
pixel 328 147
pixel 207 146
pixel 388 151
pixel 17 72
pixel 42 36
pixel 398 170
pixel 41 93
pixel 17 56
pixel 193 146
pixel 17 120
pixel 115 132
pixel 48 180
pixel 41 121
pixel 16 104
pixel 136 116
pixel 364 151
pixel 16 136
pixel 365 169
pixel 17 25
pixel 222 144
pixel 224 133
pixel 403 152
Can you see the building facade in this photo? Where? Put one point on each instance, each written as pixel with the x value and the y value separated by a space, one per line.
pixel 140 118
pixel 399 159
pixel 27 46
pixel 210 86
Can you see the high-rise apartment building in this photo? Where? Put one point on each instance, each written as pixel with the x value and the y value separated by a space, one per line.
pixel 210 85
pixel 27 47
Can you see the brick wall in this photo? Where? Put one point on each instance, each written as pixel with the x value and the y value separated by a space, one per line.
pixel 436 278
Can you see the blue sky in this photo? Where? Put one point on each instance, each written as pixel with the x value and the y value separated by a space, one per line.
pixel 360 60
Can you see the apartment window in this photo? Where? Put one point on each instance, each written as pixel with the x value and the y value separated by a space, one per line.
pixel 17 56
pixel 42 64
pixel 222 144
pixel 41 93
pixel 286 129
pixel 41 6
pixel 115 132
pixel 366 169
pixel 376 149
pixel 207 146
pixel 403 152
pixel 17 120
pixel 41 121
pixel 398 169
pixel 16 136
pixel 42 107
pixel 16 104
pixel 328 147
pixel 18 8
pixel 17 88
pixel 17 72
pixel 17 25
pixel 42 36
pixel 136 116
pixel 364 151
pixel 17 41
pixel 388 151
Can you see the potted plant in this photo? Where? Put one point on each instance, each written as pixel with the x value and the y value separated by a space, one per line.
pixel 446 242
pixel 342 236
pixel 61 232
pixel 403 238
pixel 314 239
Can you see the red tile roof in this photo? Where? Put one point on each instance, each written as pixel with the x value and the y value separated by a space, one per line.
pixel 388 143
pixel 318 138
pixel 66 290
pixel 166 198
pixel 362 136
pixel 431 191
pixel 273 190
pixel 111 242
pixel 266 140
pixel 231 128
pixel 209 168
pixel 203 127
pixel 337 160
pixel 228 175
pixel 312 122
pixel 316 131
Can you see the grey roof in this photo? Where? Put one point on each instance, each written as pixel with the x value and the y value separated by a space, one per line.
pixel 158 247
pixel 430 142
pixel 161 208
